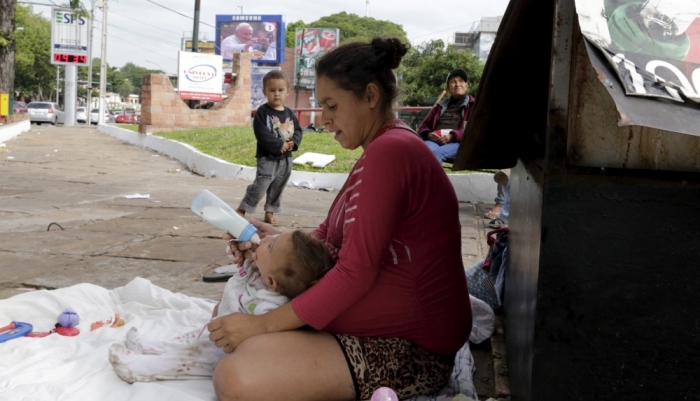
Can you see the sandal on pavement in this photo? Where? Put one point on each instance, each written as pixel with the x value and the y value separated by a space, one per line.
pixel 491 215
pixel 496 223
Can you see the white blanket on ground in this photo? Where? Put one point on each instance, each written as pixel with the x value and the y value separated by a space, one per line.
pixel 76 368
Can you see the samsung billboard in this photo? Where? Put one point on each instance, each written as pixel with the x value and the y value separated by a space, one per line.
pixel 261 35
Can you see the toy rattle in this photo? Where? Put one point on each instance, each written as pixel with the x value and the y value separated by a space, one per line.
pixel 14 330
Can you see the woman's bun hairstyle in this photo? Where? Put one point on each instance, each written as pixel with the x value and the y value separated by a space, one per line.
pixel 353 66
pixel 389 51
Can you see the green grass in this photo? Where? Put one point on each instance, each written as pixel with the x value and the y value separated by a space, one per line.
pixel 130 127
pixel 237 145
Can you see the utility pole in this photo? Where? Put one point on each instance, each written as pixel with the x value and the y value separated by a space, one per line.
pixel 195 40
pixel 57 83
pixel 89 86
pixel 367 10
pixel 297 87
pixel 103 65
pixel 195 30
pixel 70 94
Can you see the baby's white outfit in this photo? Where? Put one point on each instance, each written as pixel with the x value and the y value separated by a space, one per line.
pixel 192 355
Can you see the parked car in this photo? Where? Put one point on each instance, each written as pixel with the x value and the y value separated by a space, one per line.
pixel 95 116
pixel 45 112
pixel 19 107
pixel 81 115
pixel 125 118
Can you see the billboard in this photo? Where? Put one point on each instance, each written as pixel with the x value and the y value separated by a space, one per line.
pixel 311 44
pixel 261 35
pixel 70 38
pixel 199 76
pixel 653 45
pixel 205 46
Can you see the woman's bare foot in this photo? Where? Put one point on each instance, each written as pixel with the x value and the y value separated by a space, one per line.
pixel 270 218
pixel 493 213
pixel 240 212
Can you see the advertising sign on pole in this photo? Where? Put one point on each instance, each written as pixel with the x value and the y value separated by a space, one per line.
pixel 653 45
pixel 204 46
pixel 261 35
pixel 70 38
pixel 200 76
pixel 310 45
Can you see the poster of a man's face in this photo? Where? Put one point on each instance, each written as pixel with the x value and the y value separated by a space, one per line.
pixel 258 38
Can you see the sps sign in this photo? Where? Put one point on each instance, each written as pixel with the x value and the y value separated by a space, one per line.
pixel 70 38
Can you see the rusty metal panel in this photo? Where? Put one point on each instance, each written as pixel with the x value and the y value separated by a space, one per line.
pixel 510 116
pixel 612 130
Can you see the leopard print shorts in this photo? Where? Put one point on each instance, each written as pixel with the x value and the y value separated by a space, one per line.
pixel 392 362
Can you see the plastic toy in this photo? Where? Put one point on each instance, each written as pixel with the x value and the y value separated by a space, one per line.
pixel 14 330
pixel 113 321
pixel 67 321
pixel 68 318
pixel 384 394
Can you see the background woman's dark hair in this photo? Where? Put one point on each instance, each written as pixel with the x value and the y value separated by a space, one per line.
pixel 353 66
pixel 309 260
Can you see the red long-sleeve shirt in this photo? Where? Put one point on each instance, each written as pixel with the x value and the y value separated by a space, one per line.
pixel 395 228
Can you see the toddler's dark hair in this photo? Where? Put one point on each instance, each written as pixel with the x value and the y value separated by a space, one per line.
pixel 353 66
pixel 309 259
pixel 275 74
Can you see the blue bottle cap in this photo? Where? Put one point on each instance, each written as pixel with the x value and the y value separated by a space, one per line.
pixel 248 233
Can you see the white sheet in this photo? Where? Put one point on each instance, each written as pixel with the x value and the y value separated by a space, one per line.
pixel 76 368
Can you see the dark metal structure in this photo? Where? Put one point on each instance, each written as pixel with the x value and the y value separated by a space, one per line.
pixel 601 295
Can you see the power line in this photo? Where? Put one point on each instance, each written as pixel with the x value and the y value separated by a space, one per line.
pixel 179 13
pixel 145 23
pixel 140 34
pixel 134 44
pixel 444 30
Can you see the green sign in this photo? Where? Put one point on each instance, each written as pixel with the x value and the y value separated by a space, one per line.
pixel 310 45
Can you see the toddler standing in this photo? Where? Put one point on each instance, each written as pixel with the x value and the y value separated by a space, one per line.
pixel 278 133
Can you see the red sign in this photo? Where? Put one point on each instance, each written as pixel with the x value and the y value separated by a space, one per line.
pixel 209 97
pixel 69 58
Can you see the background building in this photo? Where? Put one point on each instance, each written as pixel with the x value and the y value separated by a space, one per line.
pixel 480 37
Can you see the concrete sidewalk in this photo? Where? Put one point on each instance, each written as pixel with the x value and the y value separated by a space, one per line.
pixel 78 178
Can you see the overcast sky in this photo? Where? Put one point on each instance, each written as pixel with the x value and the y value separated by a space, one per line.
pixel 148 35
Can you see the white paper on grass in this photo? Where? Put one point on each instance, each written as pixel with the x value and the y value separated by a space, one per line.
pixel 316 159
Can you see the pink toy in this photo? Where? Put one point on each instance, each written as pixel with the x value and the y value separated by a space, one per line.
pixel 384 394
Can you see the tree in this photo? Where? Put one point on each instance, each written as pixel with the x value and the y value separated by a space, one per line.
pixel 425 67
pixel 352 28
pixel 135 73
pixel 125 88
pixel 34 73
pixel 7 45
pixel 291 32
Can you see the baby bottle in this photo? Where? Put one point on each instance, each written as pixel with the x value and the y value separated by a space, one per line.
pixel 217 212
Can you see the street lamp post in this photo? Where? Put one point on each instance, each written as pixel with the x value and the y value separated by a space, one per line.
pixel 157 65
pixel 89 88
pixel 103 65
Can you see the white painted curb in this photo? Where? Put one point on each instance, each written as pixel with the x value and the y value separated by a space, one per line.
pixel 475 187
pixel 10 131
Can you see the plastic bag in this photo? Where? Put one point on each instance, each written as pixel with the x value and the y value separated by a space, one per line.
pixel 483 320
